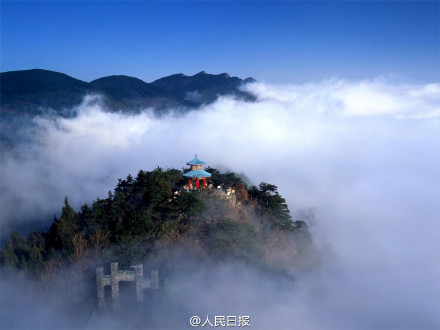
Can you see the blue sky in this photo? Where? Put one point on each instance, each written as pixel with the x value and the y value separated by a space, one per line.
pixel 287 41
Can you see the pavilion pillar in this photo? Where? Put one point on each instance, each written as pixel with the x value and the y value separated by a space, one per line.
pixel 197 183
pixel 189 183
pixel 204 182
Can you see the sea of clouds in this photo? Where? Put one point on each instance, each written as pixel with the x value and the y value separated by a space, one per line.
pixel 365 156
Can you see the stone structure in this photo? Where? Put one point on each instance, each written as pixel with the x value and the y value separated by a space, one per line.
pixel 117 276
pixel 229 195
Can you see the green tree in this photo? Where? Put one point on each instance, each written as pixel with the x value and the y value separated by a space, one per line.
pixel 231 239
pixel 271 202
pixel 16 252
pixel 60 236
pixel 227 179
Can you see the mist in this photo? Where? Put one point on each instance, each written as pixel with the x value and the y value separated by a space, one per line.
pixel 364 156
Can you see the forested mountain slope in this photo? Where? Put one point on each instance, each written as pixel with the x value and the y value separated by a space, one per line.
pixel 152 219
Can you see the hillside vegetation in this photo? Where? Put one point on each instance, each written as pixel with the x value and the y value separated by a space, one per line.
pixel 153 220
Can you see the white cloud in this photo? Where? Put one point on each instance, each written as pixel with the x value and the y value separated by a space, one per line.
pixel 364 98
pixel 364 154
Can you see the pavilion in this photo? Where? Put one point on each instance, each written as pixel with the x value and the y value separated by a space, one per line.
pixel 196 172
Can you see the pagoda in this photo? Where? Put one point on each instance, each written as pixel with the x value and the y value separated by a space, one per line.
pixel 196 172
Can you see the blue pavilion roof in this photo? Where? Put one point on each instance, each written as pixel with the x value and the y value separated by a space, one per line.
pixel 196 161
pixel 197 174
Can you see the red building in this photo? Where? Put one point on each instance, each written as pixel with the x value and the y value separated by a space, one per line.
pixel 196 172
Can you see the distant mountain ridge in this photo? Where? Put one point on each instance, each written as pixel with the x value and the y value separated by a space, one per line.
pixel 25 92
pixel 32 92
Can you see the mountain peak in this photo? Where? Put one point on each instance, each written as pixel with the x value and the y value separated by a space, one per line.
pixel 33 91
pixel 249 80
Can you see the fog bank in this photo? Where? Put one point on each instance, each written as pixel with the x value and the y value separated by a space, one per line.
pixel 364 155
